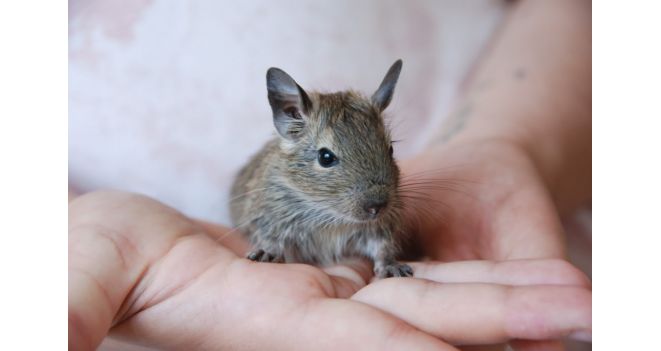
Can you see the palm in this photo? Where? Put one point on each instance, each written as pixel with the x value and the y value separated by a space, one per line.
pixel 202 284
pixel 488 203
pixel 193 291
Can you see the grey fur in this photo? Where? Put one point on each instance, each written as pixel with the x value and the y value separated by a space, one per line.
pixel 383 95
pixel 294 210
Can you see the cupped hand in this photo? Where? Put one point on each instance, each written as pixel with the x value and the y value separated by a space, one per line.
pixel 150 275
pixel 481 199
pixel 487 200
pixel 157 278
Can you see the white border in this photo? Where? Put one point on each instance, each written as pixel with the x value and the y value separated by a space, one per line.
pixel 33 185
pixel 627 174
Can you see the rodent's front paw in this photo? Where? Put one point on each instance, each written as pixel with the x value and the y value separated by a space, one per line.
pixel 395 269
pixel 263 256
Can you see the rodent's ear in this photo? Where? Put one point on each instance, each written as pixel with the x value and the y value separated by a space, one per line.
pixel 289 102
pixel 382 97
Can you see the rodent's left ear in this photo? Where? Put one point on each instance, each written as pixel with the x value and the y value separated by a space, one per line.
pixel 382 97
pixel 289 102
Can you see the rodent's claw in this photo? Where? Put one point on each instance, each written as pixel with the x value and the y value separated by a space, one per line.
pixel 394 270
pixel 263 256
pixel 255 255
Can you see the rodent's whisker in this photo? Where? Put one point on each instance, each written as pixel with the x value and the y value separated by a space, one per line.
pixel 427 200
pixel 246 193
pixel 428 185
pixel 439 177
pixel 444 169
pixel 443 181
pixel 441 185
pixel 413 192
pixel 428 189
pixel 423 214
pixel 236 228
pixel 415 198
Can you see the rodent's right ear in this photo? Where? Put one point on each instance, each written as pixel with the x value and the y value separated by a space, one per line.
pixel 289 102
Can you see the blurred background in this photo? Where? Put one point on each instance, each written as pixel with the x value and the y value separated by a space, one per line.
pixel 168 98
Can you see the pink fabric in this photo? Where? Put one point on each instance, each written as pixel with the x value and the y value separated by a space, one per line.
pixel 168 98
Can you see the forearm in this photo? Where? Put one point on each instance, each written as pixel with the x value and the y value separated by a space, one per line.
pixel 533 88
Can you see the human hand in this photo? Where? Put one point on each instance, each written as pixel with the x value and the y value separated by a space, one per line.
pixel 481 200
pixel 152 276
pixel 486 200
pixel 160 279
pixel 516 152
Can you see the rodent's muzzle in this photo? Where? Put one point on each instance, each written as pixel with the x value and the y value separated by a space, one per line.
pixel 373 207
pixel 375 201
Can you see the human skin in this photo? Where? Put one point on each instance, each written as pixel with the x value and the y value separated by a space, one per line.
pixel 516 153
pixel 143 272
pixel 515 156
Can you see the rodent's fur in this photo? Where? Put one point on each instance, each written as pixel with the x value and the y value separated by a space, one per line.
pixel 295 210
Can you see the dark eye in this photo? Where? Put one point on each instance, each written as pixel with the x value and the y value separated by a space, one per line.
pixel 327 158
pixel 390 150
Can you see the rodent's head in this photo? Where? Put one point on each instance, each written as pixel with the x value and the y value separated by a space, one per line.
pixel 336 148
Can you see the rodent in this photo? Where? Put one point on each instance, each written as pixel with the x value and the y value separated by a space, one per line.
pixel 326 187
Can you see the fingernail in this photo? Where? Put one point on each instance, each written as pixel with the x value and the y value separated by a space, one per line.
pixel 581 335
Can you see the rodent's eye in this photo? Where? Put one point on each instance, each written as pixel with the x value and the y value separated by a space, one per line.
pixel 327 158
pixel 391 150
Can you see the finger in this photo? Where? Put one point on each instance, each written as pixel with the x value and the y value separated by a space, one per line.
pixel 350 276
pixel 483 313
pixel 513 272
pixel 492 347
pixel 532 345
pixel 240 307
pixel 333 324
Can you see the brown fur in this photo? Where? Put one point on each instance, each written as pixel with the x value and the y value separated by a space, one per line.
pixel 295 210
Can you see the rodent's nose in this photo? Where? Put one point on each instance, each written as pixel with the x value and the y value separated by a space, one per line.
pixel 374 207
